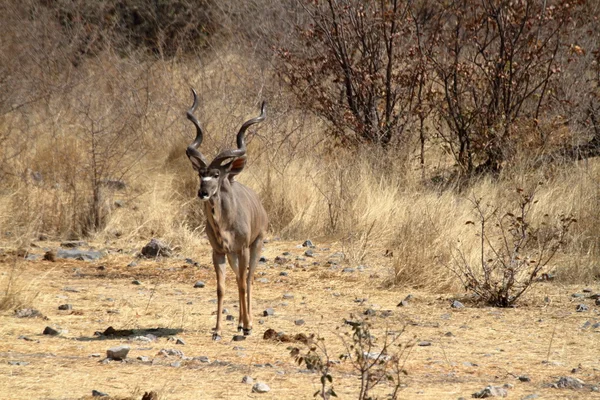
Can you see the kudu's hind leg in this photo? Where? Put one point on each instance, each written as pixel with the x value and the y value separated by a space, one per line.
pixel 244 260
pixel 255 249
pixel 220 268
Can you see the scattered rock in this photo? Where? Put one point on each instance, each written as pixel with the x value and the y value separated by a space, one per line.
pixel 81 255
pixel 230 318
pixel 136 282
pixel 199 284
pixel 27 339
pixel 288 296
pixel 260 387
pixel 155 248
pixel 238 338
pixel 171 352
pixel 582 308
pixel 283 273
pixel 567 382
pixel 457 304
pixel 268 312
pixel 370 312
pixel 97 393
pixel 71 244
pixel 597 302
pixel 348 270
pixel 65 307
pixel 144 358
pixel 262 259
pixel 424 343
pixel 262 280
pixel 150 396
pixel 132 264
pixel 309 253
pixel 50 255
pixel 117 353
pixel 203 359
pixel 531 396
pixel 299 322
pixel 28 313
pixel 176 364
pixel 18 363
pixel 491 391
pixel 247 380
pixel 308 243
pixel 180 341
pixel 524 378
pixel 51 331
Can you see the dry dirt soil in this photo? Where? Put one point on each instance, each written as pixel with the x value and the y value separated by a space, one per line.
pixel 470 348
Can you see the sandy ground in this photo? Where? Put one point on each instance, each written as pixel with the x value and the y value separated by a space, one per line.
pixel 471 348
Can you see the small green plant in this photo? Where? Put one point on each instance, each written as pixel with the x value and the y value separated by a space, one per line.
pixel 513 250
pixel 374 362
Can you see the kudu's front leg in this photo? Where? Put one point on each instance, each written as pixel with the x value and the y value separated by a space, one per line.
pixel 220 268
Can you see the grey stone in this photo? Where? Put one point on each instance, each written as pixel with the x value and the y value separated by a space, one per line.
pixel 97 393
pixel 370 312
pixel 457 304
pixel 283 273
pixel 155 248
pixel 582 308
pixel 136 282
pixel 286 253
pixel 28 313
pixel 118 352
pixel 299 322
pixel 238 338
pixel 65 307
pixel 144 358
pixel 260 387
pixel 578 295
pixel 176 364
pixel 171 352
pixel 403 303
pixel 180 341
pixel 268 312
pixel 491 391
pixel 132 264
pixel 531 396
pixel 597 302
pixel 262 259
pixel 247 380
pixel 348 270
pixel 309 253
pixel 230 318
pixel 424 343
pixel 288 296
pixel 18 363
pixel 203 359
pixel 524 378
pixel 308 243
pixel 51 331
pixel 262 280
pixel 82 255
pixel 567 382
pixel 199 284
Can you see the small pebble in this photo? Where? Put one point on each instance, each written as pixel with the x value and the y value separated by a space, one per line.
pixel 247 380
pixel 457 304
pixel 260 387
pixel 50 331
pixel 582 308
pixel 268 312
pixel 97 393
pixel 230 318
pixel 299 322
pixel 136 282
pixel 199 284
pixel 65 307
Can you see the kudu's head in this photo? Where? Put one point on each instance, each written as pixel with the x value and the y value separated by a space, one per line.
pixel 226 164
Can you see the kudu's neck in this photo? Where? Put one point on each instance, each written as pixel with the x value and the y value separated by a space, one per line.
pixel 219 211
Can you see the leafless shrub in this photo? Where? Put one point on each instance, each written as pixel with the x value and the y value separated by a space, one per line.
pixel 513 251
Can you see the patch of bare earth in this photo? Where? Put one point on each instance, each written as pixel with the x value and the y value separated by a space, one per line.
pixel 471 348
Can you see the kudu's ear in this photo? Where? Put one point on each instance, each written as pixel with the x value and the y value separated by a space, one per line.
pixel 197 163
pixel 236 166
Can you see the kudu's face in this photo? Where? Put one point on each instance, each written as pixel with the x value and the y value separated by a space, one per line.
pixel 214 176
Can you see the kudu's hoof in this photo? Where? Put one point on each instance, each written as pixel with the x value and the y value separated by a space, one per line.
pixel 240 328
pixel 247 332
pixel 216 337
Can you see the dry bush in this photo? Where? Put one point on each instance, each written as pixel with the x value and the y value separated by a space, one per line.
pixel 16 292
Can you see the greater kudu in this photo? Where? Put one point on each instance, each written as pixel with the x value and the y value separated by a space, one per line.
pixel 236 221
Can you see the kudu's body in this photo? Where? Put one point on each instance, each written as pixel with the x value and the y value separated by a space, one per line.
pixel 236 221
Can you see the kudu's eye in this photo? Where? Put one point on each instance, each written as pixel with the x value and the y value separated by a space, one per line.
pixel 216 174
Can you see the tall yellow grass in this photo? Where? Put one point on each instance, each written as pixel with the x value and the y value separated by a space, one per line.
pixel 367 200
